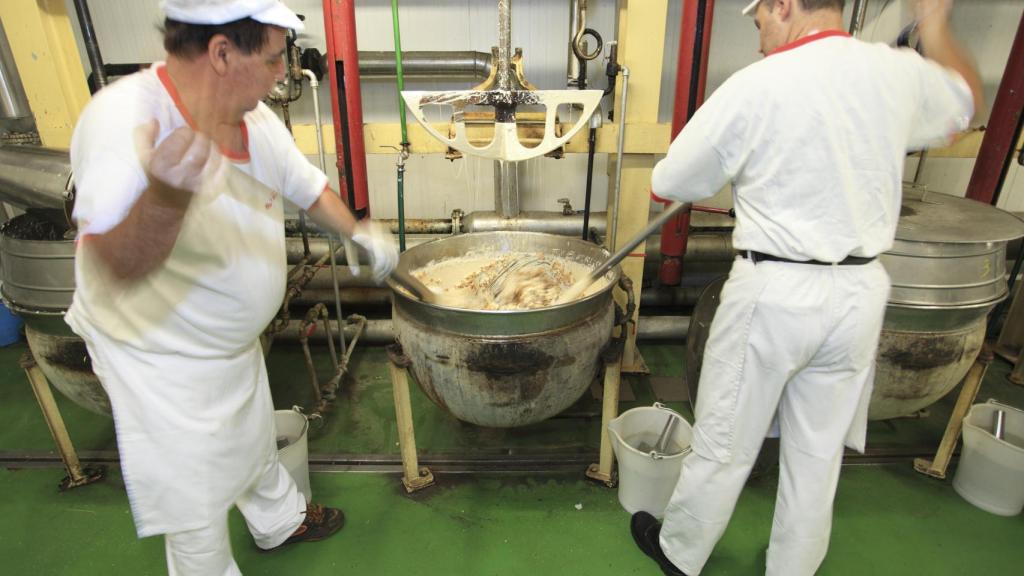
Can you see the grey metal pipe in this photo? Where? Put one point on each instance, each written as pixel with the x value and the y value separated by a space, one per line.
pixel 412 226
pixel 13 102
pixel 573 65
pixel 361 291
pixel 653 328
pixel 506 188
pixel 618 159
pixel 322 279
pixel 313 84
pixel 533 221
pixel 376 332
pixel 860 8
pixel 504 45
pixel 92 47
pixel 426 64
pixel 34 177
pixel 358 297
pixel 702 247
pixel 662 328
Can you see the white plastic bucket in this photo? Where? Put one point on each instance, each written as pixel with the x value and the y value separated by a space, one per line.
pixel 991 471
pixel 646 480
pixel 292 449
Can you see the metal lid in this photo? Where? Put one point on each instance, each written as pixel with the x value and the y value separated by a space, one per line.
pixel 935 217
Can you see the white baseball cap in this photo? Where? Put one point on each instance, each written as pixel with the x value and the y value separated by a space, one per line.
pixel 216 12
pixel 751 7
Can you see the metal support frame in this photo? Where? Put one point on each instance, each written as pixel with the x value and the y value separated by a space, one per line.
pixel 77 476
pixel 613 355
pixel 414 476
pixel 936 467
pixel 641 40
pixel 604 470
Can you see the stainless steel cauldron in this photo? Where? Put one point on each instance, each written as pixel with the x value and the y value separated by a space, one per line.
pixel 38 284
pixel 505 368
pixel 948 270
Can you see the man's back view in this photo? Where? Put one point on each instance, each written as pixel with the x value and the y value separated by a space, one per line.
pixel 813 139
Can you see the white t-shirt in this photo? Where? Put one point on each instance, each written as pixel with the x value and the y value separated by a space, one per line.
pixel 814 138
pixel 225 277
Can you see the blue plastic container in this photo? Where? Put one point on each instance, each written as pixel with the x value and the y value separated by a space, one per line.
pixel 10 326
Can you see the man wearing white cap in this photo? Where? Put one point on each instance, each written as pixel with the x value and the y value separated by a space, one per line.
pixel 813 139
pixel 181 173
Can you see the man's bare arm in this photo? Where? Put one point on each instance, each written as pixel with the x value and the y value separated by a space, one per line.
pixel 940 45
pixel 144 239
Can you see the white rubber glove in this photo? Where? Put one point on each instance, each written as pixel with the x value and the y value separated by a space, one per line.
pixel 380 243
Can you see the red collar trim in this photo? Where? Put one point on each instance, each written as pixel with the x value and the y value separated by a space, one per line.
pixel 808 39
pixel 165 79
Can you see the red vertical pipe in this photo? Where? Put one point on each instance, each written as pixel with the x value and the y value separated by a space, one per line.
pixel 331 56
pixel 343 55
pixel 688 96
pixel 1003 130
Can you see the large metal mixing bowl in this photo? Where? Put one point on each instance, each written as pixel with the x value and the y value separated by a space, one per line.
pixel 505 368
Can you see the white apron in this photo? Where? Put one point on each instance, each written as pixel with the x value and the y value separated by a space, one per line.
pixel 182 364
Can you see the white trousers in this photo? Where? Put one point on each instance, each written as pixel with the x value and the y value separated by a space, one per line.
pixel 792 344
pixel 273 508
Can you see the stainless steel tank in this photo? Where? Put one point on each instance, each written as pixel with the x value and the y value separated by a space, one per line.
pixel 505 368
pixel 948 270
pixel 37 267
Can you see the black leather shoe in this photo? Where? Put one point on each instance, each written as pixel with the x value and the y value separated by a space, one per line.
pixel 646 529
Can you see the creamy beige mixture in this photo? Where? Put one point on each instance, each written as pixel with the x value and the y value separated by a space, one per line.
pixel 503 280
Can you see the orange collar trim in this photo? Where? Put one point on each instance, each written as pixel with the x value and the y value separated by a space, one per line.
pixel 165 79
pixel 808 39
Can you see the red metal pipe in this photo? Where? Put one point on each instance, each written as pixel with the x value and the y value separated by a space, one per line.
pixel 343 57
pixel 689 96
pixel 1003 130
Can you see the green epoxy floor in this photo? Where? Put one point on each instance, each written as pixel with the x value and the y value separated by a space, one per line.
pixel 888 519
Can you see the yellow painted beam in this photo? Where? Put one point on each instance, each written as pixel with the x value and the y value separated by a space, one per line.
pixel 964 145
pixel 381 138
pixel 641 49
pixel 45 52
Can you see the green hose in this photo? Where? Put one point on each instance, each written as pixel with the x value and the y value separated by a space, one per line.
pixel 404 152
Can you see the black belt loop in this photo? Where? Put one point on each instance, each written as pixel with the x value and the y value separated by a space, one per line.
pixel 756 257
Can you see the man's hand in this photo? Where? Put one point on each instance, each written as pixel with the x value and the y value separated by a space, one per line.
pixel 179 165
pixel 380 243
pixel 940 45
pixel 177 169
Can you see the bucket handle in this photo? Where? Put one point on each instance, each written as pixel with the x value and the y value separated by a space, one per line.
pixel 995 402
pixel 657 455
pixel 305 420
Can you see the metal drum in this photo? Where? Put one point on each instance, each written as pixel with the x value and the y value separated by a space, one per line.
pixel 948 270
pixel 38 284
pixel 505 368
pixel 37 274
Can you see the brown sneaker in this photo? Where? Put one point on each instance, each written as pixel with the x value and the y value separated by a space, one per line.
pixel 319 523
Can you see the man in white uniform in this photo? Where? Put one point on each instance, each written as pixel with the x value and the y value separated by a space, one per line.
pixel 814 139
pixel 181 173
